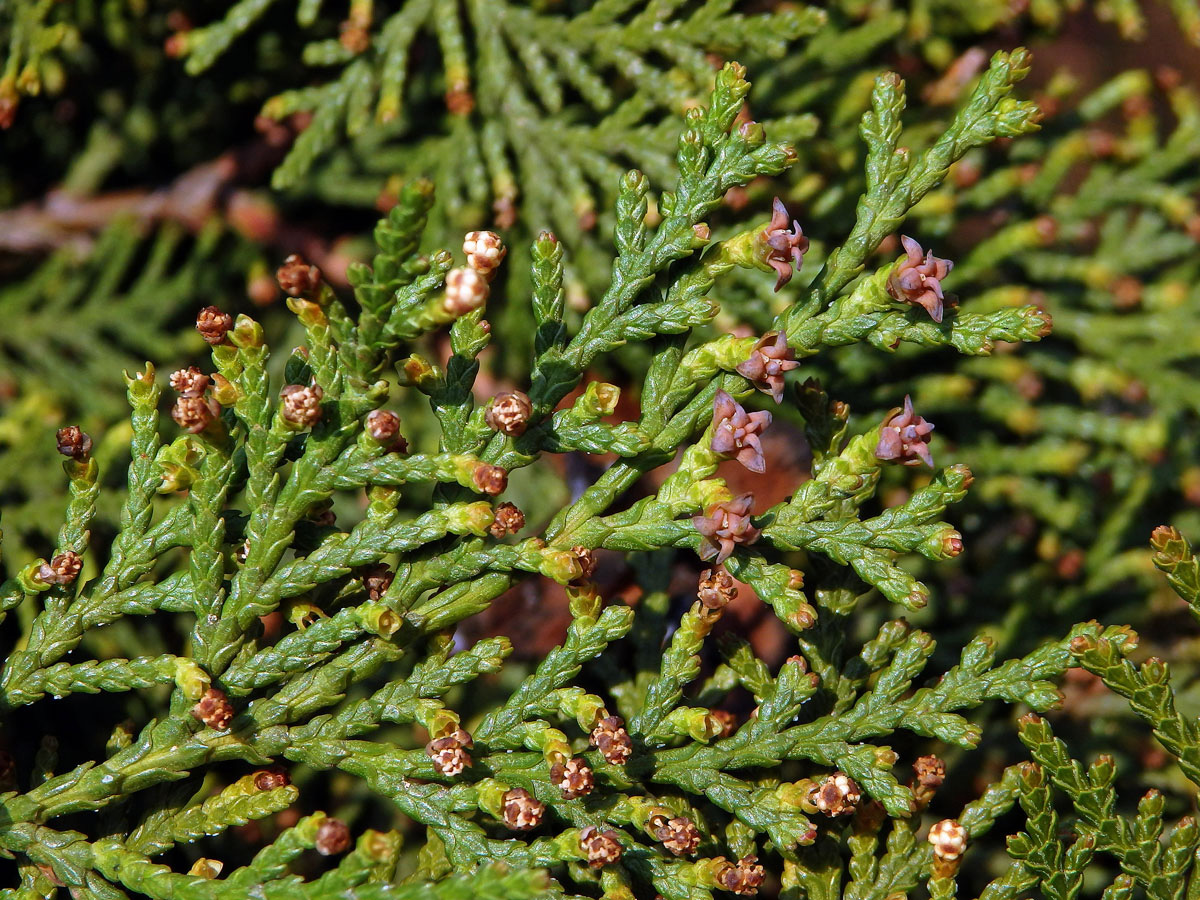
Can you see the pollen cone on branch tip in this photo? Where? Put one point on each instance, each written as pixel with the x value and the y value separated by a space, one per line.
pixel 836 795
pixel 716 589
pixel 492 480
pixel 484 251
pixel 213 325
pixel 383 427
pixel 333 837
pixel 574 778
pixel 449 752
pixel 189 382
pixel 270 779
pixel 612 740
pixel 949 839
pixel 743 878
pixel 522 811
pixel 377 578
pixel 679 835
pixel 509 413
pixel 466 290
pixel 601 848
pixel 214 709
pixel 74 443
pixel 929 773
pixel 297 277
pixel 509 520
pixel 194 414
pixel 301 405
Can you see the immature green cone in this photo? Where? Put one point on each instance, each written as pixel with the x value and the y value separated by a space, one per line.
pixel 599 399
pixel 207 869
pixel 470 518
pixel 191 680
pixel 378 619
pixel 179 464
pixel 246 334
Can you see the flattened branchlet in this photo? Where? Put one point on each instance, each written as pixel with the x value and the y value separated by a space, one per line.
pixel 329 571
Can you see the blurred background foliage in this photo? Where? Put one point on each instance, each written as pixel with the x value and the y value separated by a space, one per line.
pixel 159 158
